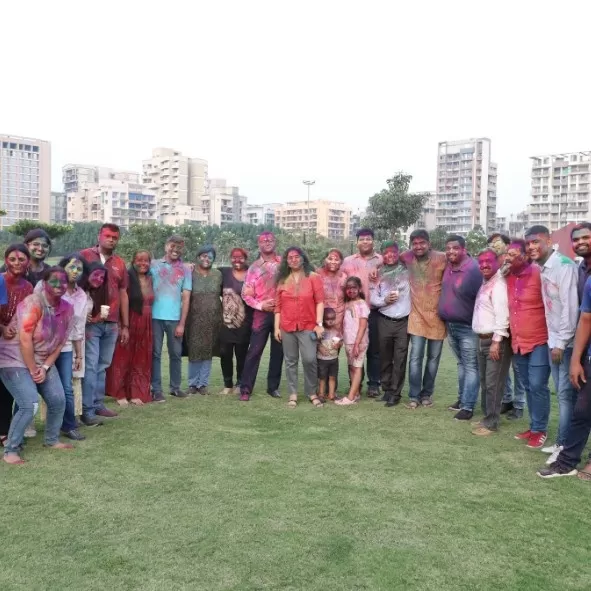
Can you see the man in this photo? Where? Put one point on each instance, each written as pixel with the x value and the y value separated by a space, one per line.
pixel 39 244
pixel 172 283
pixel 364 264
pixel 580 237
pixel 390 297
pixel 258 292
pixel 101 336
pixel 491 323
pixel 426 269
pixel 514 398
pixel 461 281
pixel 580 376
pixel 529 340
pixel 561 302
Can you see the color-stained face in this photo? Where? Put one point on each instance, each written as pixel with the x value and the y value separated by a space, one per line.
pixel 365 244
pixel 515 257
pixel 333 262
pixel 498 245
pixel 238 261
pixel 330 320
pixel 141 262
pixel 108 239
pixel 174 250
pixel 55 286
pixel 96 278
pixel 294 260
pixel 390 256
pixel 454 252
pixel 352 290
pixel 16 262
pixel 74 270
pixel 489 264
pixel 206 260
pixel 39 248
pixel 267 243
pixel 581 242
pixel 420 247
pixel 538 246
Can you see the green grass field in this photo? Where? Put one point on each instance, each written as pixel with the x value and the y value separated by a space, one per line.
pixel 208 493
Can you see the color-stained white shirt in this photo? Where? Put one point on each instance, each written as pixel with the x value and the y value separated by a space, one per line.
pixel 491 310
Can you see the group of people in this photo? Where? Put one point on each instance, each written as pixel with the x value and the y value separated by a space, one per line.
pixel 90 327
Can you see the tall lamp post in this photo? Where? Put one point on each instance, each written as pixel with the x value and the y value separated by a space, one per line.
pixel 308 184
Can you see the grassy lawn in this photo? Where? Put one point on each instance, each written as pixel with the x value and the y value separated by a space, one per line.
pixel 207 493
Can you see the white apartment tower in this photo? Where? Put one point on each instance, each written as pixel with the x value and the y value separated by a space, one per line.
pixel 223 204
pixel 466 186
pixel 25 179
pixel 560 189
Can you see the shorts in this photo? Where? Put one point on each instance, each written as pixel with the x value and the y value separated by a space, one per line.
pixel 328 368
pixel 355 361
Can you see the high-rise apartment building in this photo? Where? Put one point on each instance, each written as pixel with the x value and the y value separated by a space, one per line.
pixel 427 220
pixel 223 204
pixel 466 186
pixel 73 175
pixel 259 215
pixel 59 208
pixel 326 218
pixel 179 182
pixel 560 189
pixel 25 179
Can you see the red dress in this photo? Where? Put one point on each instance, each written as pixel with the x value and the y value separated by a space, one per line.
pixel 130 373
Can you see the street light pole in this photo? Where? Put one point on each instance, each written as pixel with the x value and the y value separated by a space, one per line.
pixel 308 184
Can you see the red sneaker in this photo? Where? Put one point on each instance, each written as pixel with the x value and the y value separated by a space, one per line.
pixel 536 440
pixel 244 397
pixel 524 435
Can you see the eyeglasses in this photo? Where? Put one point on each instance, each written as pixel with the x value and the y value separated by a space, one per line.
pixel 266 240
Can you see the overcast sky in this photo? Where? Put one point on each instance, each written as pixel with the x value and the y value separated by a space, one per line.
pixel 274 92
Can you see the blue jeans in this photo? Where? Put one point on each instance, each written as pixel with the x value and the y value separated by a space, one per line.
pixel 514 393
pixel 567 395
pixel 101 339
pixel 464 344
pixel 534 370
pixel 423 385
pixel 175 351
pixel 26 392
pixel 199 373
pixel 63 364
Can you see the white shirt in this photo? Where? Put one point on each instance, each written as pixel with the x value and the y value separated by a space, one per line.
pixel 491 310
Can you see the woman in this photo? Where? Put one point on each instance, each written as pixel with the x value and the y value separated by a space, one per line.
pixel 299 309
pixel 130 373
pixel 16 263
pixel 44 321
pixel 204 320
pixel 96 288
pixel 237 321
pixel 334 281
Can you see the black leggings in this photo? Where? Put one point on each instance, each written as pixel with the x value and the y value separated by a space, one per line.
pixel 227 351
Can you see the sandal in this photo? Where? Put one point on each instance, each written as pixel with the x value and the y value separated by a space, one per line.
pixel 292 401
pixel 585 473
pixel 346 401
pixel 413 405
pixel 317 401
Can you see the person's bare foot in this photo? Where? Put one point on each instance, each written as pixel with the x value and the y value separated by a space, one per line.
pixel 122 402
pixel 13 459
pixel 60 445
pixel 136 402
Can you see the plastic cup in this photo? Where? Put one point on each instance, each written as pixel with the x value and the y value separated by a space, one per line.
pixel 105 312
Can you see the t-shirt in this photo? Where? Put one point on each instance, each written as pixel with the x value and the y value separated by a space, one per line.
pixel 169 280
pixel 354 311
pixel 586 305
pixel 328 345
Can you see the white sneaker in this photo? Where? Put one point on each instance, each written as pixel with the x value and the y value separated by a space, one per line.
pixel 551 449
pixel 554 455
pixel 226 391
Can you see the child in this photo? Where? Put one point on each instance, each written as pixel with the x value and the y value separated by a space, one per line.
pixel 328 355
pixel 355 336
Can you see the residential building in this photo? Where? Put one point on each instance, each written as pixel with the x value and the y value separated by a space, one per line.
pixel 259 215
pixel 59 208
pixel 110 200
pixel 502 225
pixel 356 222
pixel 73 175
pixel 560 189
pixel 466 186
pixel 223 204
pixel 427 219
pixel 518 224
pixel 179 182
pixel 25 179
pixel 331 219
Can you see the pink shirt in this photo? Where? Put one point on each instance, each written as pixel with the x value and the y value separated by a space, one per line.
pixel 354 311
pixel 259 283
pixel 358 266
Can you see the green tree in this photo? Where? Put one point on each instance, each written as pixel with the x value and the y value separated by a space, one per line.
pixel 476 240
pixel 53 230
pixel 394 209
pixel 437 238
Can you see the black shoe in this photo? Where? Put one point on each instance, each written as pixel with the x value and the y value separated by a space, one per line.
pixel 514 414
pixel 555 470
pixel 74 435
pixel 193 390
pixel 392 400
pixel 506 407
pixel 179 393
pixel 384 398
pixel 455 406
pixel 464 415
pixel 158 397
pixel 91 421
pixel 274 394
pixel 373 392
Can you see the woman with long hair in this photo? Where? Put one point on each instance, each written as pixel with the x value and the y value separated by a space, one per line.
pixel 130 373
pixel 16 263
pixel 299 309
pixel 333 279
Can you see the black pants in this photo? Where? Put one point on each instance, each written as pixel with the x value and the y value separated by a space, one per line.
pixel 393 348
pixel 580 425
pixel 262 329
pixel 227 352
pixel 373 351
pixel 6 402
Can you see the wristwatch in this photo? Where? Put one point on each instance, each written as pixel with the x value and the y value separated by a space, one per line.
pixel 45 367
pixel 319 324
